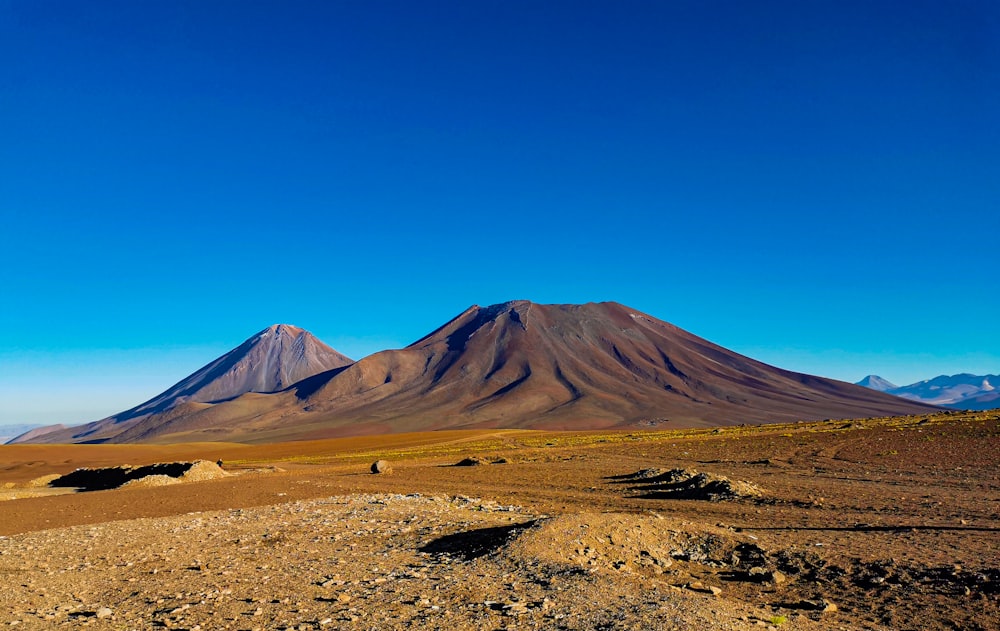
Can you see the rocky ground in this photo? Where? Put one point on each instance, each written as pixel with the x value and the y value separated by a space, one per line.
pixel 359 562
pixel 888 524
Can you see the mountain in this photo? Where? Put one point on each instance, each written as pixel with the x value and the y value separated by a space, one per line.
pixel 963 391
pixel 269 361
pixel 526 365
pixel 8 432
pixel 877 383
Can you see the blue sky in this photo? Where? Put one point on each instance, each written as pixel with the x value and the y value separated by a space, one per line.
pixel 814 184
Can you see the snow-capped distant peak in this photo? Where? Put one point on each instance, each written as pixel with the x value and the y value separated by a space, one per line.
pixel 875 382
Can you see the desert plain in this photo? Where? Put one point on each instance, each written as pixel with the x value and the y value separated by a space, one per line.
pixel 883 523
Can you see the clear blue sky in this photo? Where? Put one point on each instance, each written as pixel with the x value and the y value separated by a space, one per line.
pixel 815 184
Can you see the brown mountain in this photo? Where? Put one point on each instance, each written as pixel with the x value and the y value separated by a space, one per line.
pixel 269 361
pixel 520 364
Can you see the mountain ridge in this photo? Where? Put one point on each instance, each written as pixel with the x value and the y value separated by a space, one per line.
pixel 963 391
pixel 520 364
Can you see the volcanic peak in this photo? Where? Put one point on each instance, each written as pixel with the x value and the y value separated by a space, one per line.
pixel 281 329
pixel 511 364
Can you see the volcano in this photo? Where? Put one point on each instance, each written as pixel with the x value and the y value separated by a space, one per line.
pixel 591 366
pixel 269 361
pixel 525 365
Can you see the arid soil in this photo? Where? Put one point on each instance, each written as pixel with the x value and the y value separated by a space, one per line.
pixel 869 524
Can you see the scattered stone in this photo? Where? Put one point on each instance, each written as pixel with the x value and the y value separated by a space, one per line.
pixel 820 604
pixel 698 586
pixel 763 575
pixel 690 484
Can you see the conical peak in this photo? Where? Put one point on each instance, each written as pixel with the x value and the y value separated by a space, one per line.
pixel 283 329
pixel 271 360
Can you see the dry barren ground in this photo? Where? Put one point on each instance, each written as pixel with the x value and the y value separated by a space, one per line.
pixel 871 524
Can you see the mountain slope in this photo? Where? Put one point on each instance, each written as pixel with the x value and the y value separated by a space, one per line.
pixel 520 364
pixel 271 360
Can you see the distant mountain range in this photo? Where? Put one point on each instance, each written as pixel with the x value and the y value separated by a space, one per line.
pixel 515 364
pixel 962 392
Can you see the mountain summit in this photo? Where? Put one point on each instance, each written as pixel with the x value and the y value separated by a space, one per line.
pixel 268 361
pixel 877 383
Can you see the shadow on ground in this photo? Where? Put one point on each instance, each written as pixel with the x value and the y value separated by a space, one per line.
pixel 473 544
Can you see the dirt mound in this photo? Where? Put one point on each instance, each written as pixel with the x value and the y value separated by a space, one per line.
pixel 689 484
pixel 621 542
pixel 88 479
pixel 43 481
pixel 151 480
pixel 203 470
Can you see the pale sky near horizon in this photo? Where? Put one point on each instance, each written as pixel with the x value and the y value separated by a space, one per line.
pixel 815 185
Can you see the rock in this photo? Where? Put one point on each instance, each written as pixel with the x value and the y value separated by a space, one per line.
pixel 820 604
pixel 690 484
pixel 698 586
pixel 763 575
pixel 103 612
pixel 469 462
pixel 381 466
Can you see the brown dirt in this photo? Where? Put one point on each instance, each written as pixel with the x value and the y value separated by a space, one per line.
pixel 893 521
